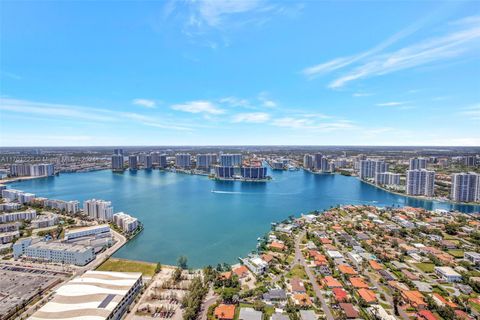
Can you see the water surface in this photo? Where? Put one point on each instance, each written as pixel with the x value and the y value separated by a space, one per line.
pixel 212 221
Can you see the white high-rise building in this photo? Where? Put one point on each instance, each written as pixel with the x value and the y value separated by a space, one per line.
pixel 98 209
pixel 117 162
pixel 132 162
pixel 420 182
pixel 469 161
pixel 125 221
pixel 42 169
pixel 368 168
pixel 465 187
pixel 205 161
pixel 317 161
pixel 231 160
pixel 73 206
pixel 387 178
pixel 162 161
pixel 19 169
pixel 148 164
pixel 182 160
pixel 308 161
pixel 417 164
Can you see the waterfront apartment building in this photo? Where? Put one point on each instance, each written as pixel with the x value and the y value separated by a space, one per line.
pixel 20 170
pixel 205 161
pixel 162 161
pixel 387 178
pixel 308 161
pixel 253 173
pixel 36 170
pixel 126 222
pixel 317 161
pixel 54 251
pixel 117 162
pixel 368 168
pixel 98 209
pixel 21 197
pixel 148 164
pixel 42 170
pixel 118 151
pixel 465 187
pixel 100 230
pixel 417 164
pixel 107 296
pixel 183 160
pixel 9 206
pixel 420 182
pixel 224 172
pixel 18 216
pixel 133 162
pixel 71 207
pixel 47 219
pixel 231 160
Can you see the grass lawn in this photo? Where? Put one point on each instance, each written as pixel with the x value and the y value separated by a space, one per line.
pixel 122 265
pixel 425 267
pixel 457 253
pixel 297 271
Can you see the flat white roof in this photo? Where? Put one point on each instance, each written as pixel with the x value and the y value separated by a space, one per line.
pixel 93 296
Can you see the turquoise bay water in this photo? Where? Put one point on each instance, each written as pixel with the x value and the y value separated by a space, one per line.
pixel 212 221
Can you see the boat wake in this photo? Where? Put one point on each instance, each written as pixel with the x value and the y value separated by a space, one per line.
pixel 257 193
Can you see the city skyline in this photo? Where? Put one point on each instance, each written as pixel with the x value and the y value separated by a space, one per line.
pixel 239 73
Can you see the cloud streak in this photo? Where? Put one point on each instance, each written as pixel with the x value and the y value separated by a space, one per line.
pixel 147 103
pixel 375 63
pixel 199 106
pixel 253 117
pixel 75 113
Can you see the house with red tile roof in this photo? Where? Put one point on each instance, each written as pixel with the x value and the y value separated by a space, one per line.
pixel 277 246
pixel 225 312
pixel 241 271
pixel 297 286
pixel 441 301
pixel 330 282
pixel 349 310
pixel 426 315
pixel 346 269
pixel 340 294
pixel 375 265
pixel 414 298
pixel 367 295
pixel 358 283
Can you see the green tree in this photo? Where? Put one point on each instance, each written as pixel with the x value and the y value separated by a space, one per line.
pixel 182 262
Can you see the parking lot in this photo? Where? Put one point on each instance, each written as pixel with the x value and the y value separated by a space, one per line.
pixel 19 285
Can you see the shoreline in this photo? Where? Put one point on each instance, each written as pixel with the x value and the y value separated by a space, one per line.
pixel 419 197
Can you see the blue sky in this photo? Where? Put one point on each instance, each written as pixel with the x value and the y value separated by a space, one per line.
pixel 239 72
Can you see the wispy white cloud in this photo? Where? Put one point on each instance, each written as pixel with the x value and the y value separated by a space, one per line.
pixel 391 104
pixel 147 103
pixel 76 113
pixel 214 12
pixel 252 117
pixel 263 97
pixel 312 125
pixel 199 106
pixel 235 102
pixel 362 94
pixel 56 110
pixel 472 112
pixel 426 52
pixel 342 62
pixel 463 40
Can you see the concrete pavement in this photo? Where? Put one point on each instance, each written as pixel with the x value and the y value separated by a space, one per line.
pixel 301 259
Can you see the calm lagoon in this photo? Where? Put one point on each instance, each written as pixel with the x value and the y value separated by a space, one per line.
pixel 212 221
